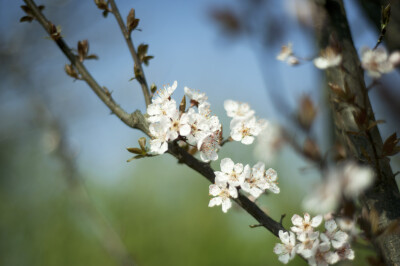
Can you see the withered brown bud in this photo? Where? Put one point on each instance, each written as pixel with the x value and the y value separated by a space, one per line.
pixel 307 113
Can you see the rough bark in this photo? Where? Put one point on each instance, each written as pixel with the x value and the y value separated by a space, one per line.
pixel 366 145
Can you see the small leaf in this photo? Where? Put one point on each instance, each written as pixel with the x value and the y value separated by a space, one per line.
pixel 182 105
pixel 70 70
pixel 375 123
pixel 26 18
pixel 390 147
pixel 101 4
pixel 27 10
pixel 83 48
pixel 135 150
pixel 385 16
pixel 361 118
pixel 92 56
pixel 153 88
pixel 131 21
pixel 307 113
pixel 136 157
pixel 142 143
pixel 146 59
pixel 55 32
pixel 138 73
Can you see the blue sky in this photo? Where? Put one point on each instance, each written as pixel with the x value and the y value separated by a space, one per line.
pixel 188 47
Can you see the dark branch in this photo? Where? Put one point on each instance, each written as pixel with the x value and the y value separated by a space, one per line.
pixel 138 121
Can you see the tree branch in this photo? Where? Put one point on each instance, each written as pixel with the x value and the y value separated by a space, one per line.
pixel 366 146
pixel 138 121
pixel 142 80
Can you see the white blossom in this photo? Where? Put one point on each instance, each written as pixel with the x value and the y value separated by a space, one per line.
pixel 334 236
pixel 199 129
pixel 345 252
pixel 255 183
pixel 196 97
pixel 356 179
pixel 238 110
pixel 286 250
pixel 285 53
pixel 348 225
pixel 164 94
pixel 158 111
pixel 245 130
pixel 231 173
pixel 323 256
pixel 160 134
pixel 309 243
pixel 209 147
pixel 305 225
pixel 178 127
pixel 329 58
pixel 378 62
pixel 222 194
pixel 270 177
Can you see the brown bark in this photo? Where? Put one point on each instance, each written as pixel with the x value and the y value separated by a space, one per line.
pixel 365 145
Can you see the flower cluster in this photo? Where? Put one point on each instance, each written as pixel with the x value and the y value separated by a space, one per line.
pixel 195 126
pixel 317 248
pixel 378 62
pixel 244 125
pixel 253 180
pixel 346 180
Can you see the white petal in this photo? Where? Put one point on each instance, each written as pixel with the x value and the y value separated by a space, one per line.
pixel 330 225
pixel 236 135
pixel 214 190
pixel 297 220
pixel 284 258
pixel 279 248
pixel 284 236
pixel 220 177
pixel 233 192
pixel 321 62
pixel 227 165
pixel 226 205
pixel 256 192
pixel 316 221
pixel 215 202
pixel 394 58
pixel 247 140
pixel 307 217
pixel 184 130
pixel 238 168
pixel 331 257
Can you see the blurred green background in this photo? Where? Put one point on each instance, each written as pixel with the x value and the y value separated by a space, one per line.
pixel 67 194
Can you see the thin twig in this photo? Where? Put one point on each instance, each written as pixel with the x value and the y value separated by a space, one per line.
pixel 138 121
pixel 127 36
